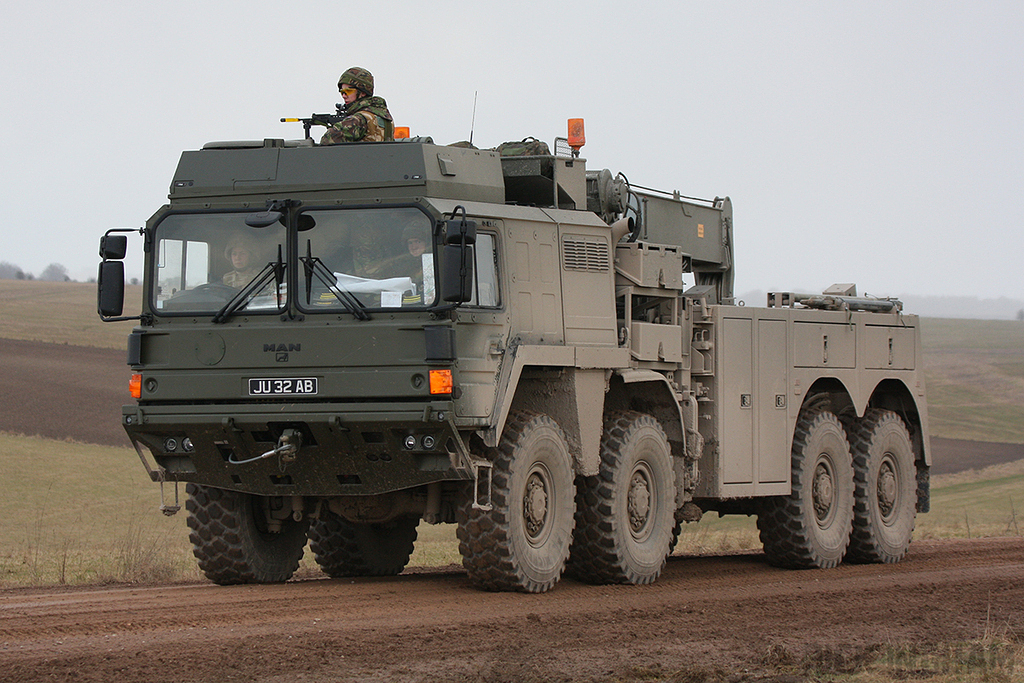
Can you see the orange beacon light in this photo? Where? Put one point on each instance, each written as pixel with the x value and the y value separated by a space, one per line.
pixel 577 138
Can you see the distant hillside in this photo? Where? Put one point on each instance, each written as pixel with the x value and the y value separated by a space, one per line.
pixel 937 306
pixel 963 307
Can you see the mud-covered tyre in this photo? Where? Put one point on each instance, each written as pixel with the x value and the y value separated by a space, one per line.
pixel 810 528
pixel 677 530
pixel 885 488
pixel 522 542
pixel 625 514
pixel 344 548
pixel 230 540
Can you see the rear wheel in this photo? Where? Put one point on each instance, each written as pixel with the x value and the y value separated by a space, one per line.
pixel 231 539
pixel 885 491
pixel 626 513
pixel 344 548
pixel 811 526
pixel 522 542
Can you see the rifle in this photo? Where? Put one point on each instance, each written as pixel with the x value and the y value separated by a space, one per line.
pixel 320 119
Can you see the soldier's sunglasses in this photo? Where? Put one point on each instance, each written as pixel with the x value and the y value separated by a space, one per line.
pixel 347 91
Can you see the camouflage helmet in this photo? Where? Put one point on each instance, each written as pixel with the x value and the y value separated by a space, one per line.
pixel 359 78
pixel 239 242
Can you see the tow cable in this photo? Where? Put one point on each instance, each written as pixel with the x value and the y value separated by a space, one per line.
pixel 287 447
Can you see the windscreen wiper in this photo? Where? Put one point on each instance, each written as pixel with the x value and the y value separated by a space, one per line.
pixel 314 267
pixel 272 272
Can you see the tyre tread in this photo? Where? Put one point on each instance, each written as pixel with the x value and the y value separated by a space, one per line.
pixel 782 521
pixel 226 556
pixel 485 537
pixel 865 544
pixel 596 556
pixel 341 548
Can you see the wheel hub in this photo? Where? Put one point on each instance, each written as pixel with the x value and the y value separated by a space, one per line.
pixel 823 491
pixel 535 505
pixel 887 488
pixel 638 501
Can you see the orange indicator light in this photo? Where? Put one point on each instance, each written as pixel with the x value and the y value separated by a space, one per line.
pixel 135 386
pixel 401 132
pixel 440 381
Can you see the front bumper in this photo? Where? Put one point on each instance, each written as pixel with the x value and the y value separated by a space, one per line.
pixel 345 449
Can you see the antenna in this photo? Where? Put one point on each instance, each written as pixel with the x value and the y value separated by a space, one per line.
pixel 472 124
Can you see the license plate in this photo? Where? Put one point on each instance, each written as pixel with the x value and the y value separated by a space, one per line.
pixel 300 386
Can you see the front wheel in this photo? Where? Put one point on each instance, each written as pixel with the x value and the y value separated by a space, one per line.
pixel 885 488
pixel 231 539
pixel 625 515
pixel 522 542
pixel 811 526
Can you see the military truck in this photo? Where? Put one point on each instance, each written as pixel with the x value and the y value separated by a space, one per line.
pixel 549 357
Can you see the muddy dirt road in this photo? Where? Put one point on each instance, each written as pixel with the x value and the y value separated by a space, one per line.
pixel 720 615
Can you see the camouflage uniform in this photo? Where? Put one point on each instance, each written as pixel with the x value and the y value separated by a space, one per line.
pixel 368 117
pixel 368 120
pixel 239 278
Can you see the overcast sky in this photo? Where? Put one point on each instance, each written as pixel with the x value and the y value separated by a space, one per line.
pixel 880 143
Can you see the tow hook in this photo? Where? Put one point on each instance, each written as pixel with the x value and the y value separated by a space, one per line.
pixel 287 447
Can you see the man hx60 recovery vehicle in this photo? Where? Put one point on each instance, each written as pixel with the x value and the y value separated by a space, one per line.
pixel 546 356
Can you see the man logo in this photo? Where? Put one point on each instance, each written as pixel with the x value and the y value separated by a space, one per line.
pixel 282 350
pixel 277 348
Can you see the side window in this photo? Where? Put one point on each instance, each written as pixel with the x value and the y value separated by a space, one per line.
pixel 485 286
pixel 182 265
pixel 203 259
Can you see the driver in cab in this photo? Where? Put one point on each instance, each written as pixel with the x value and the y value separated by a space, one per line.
pixel 243 262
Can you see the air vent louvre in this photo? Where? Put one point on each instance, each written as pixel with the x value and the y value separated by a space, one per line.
pixel 585 253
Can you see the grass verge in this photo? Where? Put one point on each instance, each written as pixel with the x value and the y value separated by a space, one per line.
pixel 80 513
pixel 994 658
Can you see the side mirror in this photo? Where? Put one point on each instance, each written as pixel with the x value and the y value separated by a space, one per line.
pixel 110 288
pixel 113 247
pixel 456 273
pixel 110 280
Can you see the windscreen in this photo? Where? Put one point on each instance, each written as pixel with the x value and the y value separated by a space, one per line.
pixel 372 258
pixel 203 261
